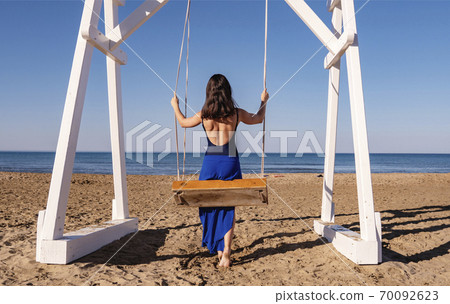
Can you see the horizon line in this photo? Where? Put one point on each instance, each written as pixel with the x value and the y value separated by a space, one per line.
pixel 174 152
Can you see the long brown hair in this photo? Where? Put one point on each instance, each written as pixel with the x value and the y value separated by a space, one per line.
pixel 219 103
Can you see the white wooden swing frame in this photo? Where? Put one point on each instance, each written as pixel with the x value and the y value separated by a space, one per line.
pixel 53 246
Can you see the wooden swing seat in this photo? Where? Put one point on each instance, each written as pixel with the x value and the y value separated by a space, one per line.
pixel 219 193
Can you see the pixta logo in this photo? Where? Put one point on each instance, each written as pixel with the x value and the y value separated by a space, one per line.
pixel 142 140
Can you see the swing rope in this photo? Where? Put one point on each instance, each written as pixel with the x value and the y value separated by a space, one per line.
pixel 186 89
pixel 265 74
pixel 188 9
pixel 187 26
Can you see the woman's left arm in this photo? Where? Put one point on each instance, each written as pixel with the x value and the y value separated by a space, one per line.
pixel 185 122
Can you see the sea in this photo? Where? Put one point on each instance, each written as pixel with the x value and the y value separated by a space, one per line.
pixel 166 164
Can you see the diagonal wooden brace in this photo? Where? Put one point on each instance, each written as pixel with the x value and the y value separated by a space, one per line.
pixel 102 43
pixel 346 39
pixel 137 18
pixel 315 24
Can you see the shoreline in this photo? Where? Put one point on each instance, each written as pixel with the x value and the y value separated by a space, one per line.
pixel 243 174
pixel 101 163
pixel 272 246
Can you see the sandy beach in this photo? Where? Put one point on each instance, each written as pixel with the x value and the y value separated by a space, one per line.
pixel 273 245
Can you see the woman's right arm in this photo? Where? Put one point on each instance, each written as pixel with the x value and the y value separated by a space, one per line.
pixel 185 122
pixel 253 119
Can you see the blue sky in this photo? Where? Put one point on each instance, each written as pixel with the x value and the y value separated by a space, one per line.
pixel 403 44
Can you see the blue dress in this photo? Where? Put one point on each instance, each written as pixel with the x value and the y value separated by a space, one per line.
pixel 220 163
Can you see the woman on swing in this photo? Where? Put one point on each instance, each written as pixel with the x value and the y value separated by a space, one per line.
pixel 220 118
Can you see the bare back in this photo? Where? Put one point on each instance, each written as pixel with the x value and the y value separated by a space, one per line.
pixel 221 132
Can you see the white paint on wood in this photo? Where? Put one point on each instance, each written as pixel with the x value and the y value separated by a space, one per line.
pixel 114 210
pixel 40 223
pixel 327 214
pixel 343 43
pixel 120 204
pixel 135 20
pixel 52 245
pixel 333 206
pixel 379 236
pixel 364 248
pixel 77 244
pixel 98 40
pixel 53 226
pixel 349 243
pixel 314 23
pixel 360 142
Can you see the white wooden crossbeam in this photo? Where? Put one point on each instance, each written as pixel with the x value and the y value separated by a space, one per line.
pixel 344 42
pixel 102 43
pixel 315 24
pixel 137 18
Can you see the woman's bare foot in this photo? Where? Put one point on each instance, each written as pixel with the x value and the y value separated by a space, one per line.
pixel 225 261
pixel 219 254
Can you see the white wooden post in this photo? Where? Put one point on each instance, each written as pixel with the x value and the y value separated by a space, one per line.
pixel 52 245
pixel 53 226
pixel 332 115
pixel 363 247
pixel 359 129
pixel 40 223
pixel 120 202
